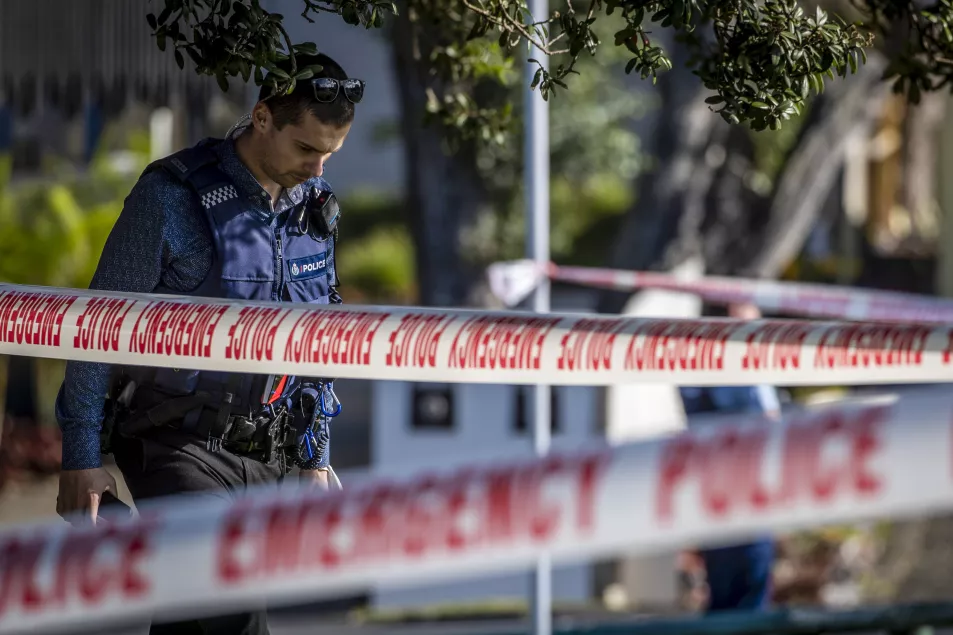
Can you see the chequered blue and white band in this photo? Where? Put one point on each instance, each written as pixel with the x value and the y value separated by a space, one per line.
pixel 217 196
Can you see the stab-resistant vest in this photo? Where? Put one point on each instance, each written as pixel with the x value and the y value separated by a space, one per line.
pixel 255 258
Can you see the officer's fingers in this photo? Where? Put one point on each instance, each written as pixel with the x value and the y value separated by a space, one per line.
pixel 68 499
pixel 94 498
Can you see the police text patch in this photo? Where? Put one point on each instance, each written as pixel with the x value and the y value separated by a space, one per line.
pixel 308 267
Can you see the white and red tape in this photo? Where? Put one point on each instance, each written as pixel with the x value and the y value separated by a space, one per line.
pixel 414 344
pixel 713 484
pixel 512 281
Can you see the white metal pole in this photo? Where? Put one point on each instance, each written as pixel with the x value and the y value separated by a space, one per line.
pixel 536 160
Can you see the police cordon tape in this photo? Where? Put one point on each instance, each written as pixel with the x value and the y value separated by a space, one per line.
pixel 512 282
pixel 712 485
pixel 462 346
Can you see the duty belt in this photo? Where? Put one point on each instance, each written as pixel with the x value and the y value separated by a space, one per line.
pixel 260 437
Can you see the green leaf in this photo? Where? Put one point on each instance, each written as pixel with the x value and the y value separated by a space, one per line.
pixel 576 46
pixel 196 58
pixel 305 48
pixel 479 29
pixel 761 105
pixel 222 80
pixel 715 99
pixel 350 15
pixel 179 59
pixel 151 19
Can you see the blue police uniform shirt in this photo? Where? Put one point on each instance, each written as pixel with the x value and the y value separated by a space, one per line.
pixel 161 238
pixel 739 576
pixel 724 399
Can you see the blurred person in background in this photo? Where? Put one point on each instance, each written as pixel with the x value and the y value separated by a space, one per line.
pixel 739 576
pixel 246 217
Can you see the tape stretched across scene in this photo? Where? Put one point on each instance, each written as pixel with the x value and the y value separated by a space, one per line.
pixel 742 477
pixel 446 345
pixel 511 282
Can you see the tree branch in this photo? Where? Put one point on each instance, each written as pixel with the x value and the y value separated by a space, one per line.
pixel 812 171
pixel 508 22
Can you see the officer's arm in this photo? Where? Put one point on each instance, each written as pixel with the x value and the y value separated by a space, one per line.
pixel 133 258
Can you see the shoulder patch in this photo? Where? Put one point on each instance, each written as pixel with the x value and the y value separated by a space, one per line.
pixel 178 164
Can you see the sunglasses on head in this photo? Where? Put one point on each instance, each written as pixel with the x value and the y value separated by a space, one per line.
pixel 326 89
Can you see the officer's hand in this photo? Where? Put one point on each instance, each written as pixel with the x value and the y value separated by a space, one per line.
pixel 318 478
pixel 81 491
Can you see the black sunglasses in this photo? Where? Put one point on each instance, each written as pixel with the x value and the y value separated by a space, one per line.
pixel 326 89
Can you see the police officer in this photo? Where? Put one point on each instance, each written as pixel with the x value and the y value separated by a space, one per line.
pixel 739 576
pixel 246 217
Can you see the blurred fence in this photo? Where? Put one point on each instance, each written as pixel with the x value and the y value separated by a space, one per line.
pixel 895 620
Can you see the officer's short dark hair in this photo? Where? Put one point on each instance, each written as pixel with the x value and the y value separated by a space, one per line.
pixel 288 109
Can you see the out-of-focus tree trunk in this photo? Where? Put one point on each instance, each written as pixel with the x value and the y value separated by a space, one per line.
pixel 685 149
pixel 813 168
pixel 445 193
pixel 697 200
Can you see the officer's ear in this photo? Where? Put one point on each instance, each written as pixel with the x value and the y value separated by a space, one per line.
pixel 261 117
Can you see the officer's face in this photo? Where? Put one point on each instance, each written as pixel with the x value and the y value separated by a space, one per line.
pixel 298 152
